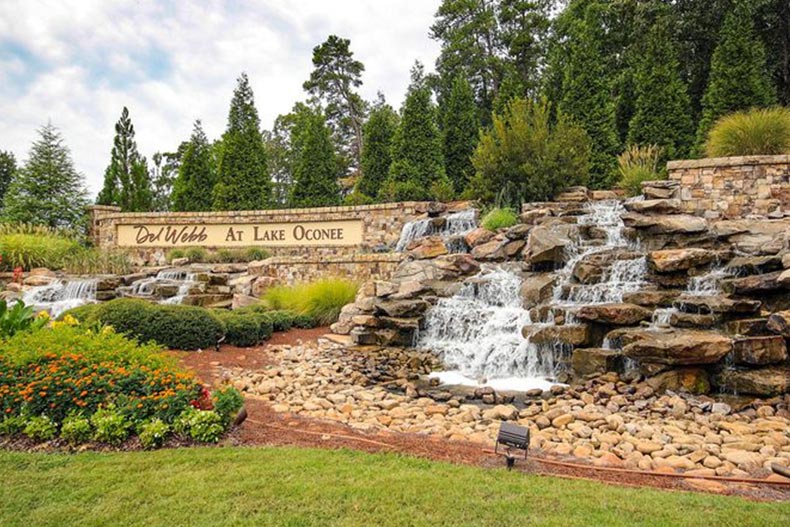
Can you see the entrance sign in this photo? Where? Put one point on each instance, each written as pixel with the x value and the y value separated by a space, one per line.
pixel 315 233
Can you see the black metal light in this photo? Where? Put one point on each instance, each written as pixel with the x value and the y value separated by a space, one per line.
pixel 511 440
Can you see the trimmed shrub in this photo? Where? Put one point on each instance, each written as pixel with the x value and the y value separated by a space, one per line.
pixel 245 328
pixel 40 428
pixel 153 433
pixel 110 426
pixel 321 300
pixel 76 429
pixel 84 314
pixel 753 132
pixel 196 254
pixel 638 164
pixel 499 219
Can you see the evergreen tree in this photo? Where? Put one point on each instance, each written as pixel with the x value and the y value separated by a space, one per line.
pixel 738 78
pixel 662 113
pixel 7 171
pixel 417 161
pixel 47 190
pixel 587 97
pixel 243 178
pixel 377 150
pixel 163 176
pixel 524 27
pixel 126 180
pixel 314 165
pixel 196 175
pixel 460 133
pixel 333 80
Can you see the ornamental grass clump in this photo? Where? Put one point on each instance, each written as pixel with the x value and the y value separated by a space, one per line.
pixel 28 247
pixel 500 218
pixel 764 131
pixel 636 165
pixel 321 300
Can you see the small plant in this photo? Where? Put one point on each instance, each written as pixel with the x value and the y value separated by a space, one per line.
pixel 12 425
pixel 172 254
pixel 255 253
pixel 321 300
pixel 18 318
pixel 442 190
pixel 76 429
pixel 636 165
pixel 752 132
pixel 205 426
pixel 40 428
pixel 110 426
pixel 227 403
pixel 94 261
pixel 153 433
pixel 357 198
pixel 501 218
pixel 196 254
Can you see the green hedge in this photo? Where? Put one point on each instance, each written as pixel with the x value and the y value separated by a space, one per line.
pixel 245 328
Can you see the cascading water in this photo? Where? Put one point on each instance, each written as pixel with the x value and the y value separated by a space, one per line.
pixel 147 286
pixel 478 332
pixel 189 280
pixel 455 225
pixel 61 296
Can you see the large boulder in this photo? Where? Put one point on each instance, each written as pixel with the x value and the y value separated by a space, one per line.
pixel 572 334
pixel 653 206
pixel 478 236
pixel 759 351
pixel 547 243
pixel 764 382
pixel 652 297
pixel 753 236
pixel 746 265
pixel 401 308
pixel 614 314
pixel 719 304
pixel 537 289
pixel 680 348
pixel 427 248
pixel 492 250
pixel 691 380
pixel 759 283
pixel 447 267
pixel 587 361
pixel 673 260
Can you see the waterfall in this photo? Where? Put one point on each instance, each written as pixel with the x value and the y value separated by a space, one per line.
pixel 188 281
pixel 58 297
pixel 708 284
pixel 147 286
pixel 455 225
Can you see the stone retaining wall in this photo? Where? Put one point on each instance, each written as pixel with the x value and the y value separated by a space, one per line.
pixel 733 187
pixel 294 269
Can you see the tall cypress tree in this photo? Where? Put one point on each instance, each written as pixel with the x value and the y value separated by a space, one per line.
pixel 7 171
pixel 460 133
pixel 377 150
pixel 662 113
pixel 587 96
pixel 738 77
pixel 417 161
pixel 127 183
pixel 315 165
pixel 196 176
pixel 243 178
pixel 47 190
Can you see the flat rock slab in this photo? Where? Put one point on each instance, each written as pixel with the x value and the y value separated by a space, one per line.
pixel 614 314
pixel 760 351
pixel 680 348
pixel 674 260
pixel 765 382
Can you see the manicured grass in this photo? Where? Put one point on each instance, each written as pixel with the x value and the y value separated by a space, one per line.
pixel 300 487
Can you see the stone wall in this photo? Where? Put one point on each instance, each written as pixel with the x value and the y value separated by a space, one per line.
pixel 732 187
pixel 295 269
pixel 381 227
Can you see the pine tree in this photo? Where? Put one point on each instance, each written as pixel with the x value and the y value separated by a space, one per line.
pixel 587 98
pixel 738 78
pixel 243 178
pixel 7 171
pixel 417 161
pixel 662 113
pixel 47 190
pixel 377 150
pixel 460 133
pixel 196 175
pixel 127 183
pixel 315 168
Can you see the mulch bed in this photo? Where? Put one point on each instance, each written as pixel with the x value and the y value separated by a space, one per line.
pixel 266 427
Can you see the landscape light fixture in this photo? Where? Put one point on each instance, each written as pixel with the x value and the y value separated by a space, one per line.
pixel 512 440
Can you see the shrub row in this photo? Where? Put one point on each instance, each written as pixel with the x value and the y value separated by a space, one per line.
pixel 188 327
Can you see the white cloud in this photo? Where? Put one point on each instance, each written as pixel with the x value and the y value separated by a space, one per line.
pixel 78 62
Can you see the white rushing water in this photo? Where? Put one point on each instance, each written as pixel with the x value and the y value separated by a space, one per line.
pixel 60 296
pixel 455 225
pixel 478 331
pixel 179 277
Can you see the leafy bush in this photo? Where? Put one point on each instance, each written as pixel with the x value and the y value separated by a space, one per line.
pixel 12 425
pixel 256 253
pixel 153 433
pixel 752 132
pixel 499 219
pixel 244 328
pixel 96 261
pixel 40 428
pixel 110 426
pixel 321 300
pixel 18 318
pixel 227 403
pixel 403 191
pixel 44 248
pixel 205 426
pixel 636 165
pixel 442 190
pixel 172 254
pixel 196 254
pixel 357 198
pixel 84 314
pixel 76 429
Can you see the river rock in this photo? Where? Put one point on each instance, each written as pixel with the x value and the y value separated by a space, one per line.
pixel 680 348
pixel 673 260
pixel 537 289
pixel 759 351
pixel 765 382
pixel 614 314
pixel 586 361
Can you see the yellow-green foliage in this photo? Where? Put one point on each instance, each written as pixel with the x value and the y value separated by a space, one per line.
pixel 753 132
pixel 638 164
pixel 320 300
pixel 44 248
pixel 97 261
pixel 499 219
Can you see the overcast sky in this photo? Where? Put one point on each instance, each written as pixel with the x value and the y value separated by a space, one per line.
pixel 78 62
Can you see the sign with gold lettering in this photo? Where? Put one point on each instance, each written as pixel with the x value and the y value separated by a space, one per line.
pixel 342 232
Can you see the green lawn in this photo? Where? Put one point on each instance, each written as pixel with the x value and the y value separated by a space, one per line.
pixel 288 486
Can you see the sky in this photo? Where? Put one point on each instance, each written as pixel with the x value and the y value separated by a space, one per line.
pixel 78 62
